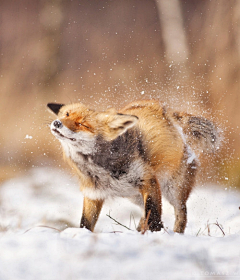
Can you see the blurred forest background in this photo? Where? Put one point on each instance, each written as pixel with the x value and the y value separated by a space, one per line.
pixel 107 53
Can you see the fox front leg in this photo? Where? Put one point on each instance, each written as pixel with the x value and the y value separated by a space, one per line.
pixel 91 211
pixel 152 207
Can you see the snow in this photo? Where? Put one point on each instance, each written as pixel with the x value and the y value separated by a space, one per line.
pixel 40 238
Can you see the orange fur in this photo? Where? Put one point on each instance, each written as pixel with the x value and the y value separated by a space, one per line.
pixel 164 142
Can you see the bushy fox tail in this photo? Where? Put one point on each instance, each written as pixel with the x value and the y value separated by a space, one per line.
pixel 200 133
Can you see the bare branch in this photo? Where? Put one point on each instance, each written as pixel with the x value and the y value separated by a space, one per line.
pixel 221 228
pixel 117 222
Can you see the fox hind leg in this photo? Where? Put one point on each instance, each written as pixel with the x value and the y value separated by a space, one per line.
pixel 180 218
pixel 180 208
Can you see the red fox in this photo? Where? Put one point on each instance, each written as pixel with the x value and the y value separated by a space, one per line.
pixel 138 153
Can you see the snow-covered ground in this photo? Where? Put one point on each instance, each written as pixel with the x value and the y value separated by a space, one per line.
pixel 40 238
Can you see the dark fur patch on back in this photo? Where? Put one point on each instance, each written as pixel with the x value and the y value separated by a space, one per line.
pixel 117 155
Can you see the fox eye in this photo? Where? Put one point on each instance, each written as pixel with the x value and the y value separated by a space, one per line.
pixel 67 114
pixel 80 124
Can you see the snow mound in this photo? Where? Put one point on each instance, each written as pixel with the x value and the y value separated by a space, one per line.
pixel 40 238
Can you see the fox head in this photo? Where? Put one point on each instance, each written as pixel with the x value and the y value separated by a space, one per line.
pixel 77 123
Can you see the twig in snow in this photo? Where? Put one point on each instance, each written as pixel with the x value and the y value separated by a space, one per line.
pixel 42 227
pixel 216 224
pixel 165 229
pixel 117 222
pixel 208 228
pixel 221 228
pixel 198 232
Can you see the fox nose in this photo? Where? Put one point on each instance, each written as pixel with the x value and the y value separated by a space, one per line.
pixel 57 124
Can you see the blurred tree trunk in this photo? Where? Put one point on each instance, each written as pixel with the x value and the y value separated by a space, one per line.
pixel 51 19
pixel 174 37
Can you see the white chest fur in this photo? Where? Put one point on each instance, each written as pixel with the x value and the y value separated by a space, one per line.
pixel 106 182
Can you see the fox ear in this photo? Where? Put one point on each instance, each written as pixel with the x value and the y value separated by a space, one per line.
pixel 55 107
pixel 120 123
